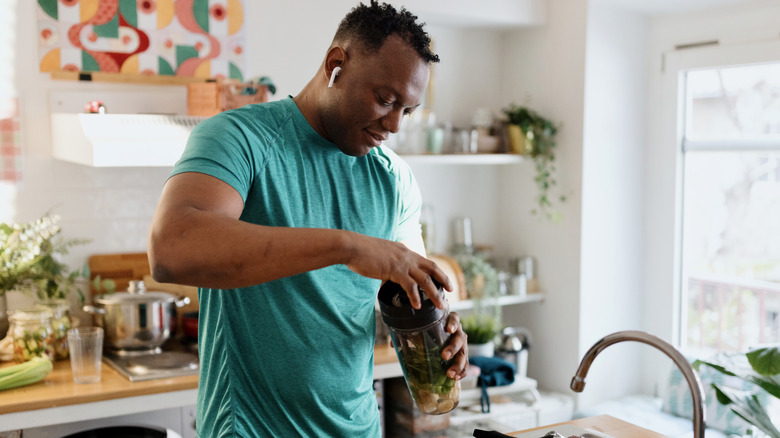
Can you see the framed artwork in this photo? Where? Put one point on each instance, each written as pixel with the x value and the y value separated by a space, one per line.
pixel 185 38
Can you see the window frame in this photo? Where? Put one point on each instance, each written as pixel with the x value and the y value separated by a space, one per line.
pixel 675 66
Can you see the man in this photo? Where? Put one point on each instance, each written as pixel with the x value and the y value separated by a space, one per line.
pixel 288 215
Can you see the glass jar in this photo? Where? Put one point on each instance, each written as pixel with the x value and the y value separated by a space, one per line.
pixel 60 323
pixel 419 337
pixel 32 333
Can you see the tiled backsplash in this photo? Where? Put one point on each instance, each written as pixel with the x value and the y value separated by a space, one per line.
pixel 112 207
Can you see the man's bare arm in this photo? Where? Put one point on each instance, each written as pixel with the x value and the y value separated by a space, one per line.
pixel 197 239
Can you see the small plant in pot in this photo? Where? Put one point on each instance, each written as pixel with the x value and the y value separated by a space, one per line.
pixel 533 135
pixel 481 330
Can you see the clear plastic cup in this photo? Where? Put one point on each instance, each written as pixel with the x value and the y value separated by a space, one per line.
pixel 86 353
pixel 419 337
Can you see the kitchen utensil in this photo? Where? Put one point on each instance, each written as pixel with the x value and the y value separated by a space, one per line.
pixel 513 347
pixel 122 268
pixel 419 336
pixel 137 319
pixel 189 323
pixel 565 430
pixel 451 267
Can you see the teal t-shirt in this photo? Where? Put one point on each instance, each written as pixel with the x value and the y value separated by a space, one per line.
pixel 294 357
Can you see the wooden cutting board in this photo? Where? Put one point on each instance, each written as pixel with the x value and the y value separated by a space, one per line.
pixel 125 267
pixel 122 268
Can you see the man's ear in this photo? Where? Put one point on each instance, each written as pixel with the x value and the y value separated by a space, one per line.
pixel 334 60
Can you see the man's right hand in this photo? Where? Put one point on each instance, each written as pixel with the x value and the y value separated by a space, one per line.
pixel 387 260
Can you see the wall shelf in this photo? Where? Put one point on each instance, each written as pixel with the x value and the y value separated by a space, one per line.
pixel 521 384
pixel 478 159
pixel 507 300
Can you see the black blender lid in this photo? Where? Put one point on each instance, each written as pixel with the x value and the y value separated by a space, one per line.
pixel 397 310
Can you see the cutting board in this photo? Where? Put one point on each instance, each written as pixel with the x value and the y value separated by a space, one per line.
pixel 122 268
pixel 125 267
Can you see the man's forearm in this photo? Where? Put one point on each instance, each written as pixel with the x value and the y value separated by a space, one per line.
pixel 208 250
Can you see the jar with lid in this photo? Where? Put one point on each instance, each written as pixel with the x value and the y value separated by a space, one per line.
pixel 32 333
pixel 60 323
pixel 419 337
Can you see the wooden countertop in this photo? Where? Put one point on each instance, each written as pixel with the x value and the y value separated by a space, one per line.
pixel 58 388
pixel 607 424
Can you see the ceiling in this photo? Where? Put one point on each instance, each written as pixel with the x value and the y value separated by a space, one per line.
pixel 665 7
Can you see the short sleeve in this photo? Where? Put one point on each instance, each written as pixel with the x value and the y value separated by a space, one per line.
pixel 220 147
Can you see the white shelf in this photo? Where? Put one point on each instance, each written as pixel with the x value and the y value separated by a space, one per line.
pixel 507 300
pixel 472 159
pixel 521 384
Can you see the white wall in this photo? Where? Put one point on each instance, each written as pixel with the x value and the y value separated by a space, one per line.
pixel 612 219
pixel 545 68
pixel 113 207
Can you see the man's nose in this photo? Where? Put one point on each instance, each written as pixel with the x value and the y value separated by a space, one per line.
pixel 392 121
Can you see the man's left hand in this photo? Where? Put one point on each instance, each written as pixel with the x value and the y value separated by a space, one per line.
pixel 456 348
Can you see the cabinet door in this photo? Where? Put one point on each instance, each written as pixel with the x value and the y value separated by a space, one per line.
pixel 188 422
pixel 163 419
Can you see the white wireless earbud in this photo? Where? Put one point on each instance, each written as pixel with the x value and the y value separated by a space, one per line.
pixel 333 76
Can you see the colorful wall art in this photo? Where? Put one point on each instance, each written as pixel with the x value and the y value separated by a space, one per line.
pixel 10 141
pixel 189 38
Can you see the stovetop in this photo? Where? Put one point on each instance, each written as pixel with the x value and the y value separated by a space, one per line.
pixel 176 358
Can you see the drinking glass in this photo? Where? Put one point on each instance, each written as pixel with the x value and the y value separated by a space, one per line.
pixel 86 353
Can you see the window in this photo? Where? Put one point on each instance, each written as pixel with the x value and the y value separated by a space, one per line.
pixel 731 208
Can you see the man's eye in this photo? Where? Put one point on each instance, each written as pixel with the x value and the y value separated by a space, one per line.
pixel 384 102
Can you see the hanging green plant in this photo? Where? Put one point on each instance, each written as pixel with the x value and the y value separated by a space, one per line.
pixel 533 135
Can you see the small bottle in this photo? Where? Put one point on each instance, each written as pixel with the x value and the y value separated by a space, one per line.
pixel 32 333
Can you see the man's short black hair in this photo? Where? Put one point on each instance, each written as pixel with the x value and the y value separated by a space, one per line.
pixel 370 25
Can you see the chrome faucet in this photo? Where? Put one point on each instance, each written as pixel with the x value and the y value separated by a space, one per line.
pixel 694 383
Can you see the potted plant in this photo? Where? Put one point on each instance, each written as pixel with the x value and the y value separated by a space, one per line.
pixel 482 325
pixel 481 330
pixel 761 368
pixel 29 261
pixel 533 135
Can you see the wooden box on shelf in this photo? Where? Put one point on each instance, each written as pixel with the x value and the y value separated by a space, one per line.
pixel 209 98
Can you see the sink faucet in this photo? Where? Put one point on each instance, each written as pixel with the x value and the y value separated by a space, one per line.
pixel 694 383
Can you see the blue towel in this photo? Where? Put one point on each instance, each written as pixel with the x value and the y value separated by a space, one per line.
pixel 494 371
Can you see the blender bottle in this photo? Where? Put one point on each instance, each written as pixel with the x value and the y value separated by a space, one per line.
pixel 419 337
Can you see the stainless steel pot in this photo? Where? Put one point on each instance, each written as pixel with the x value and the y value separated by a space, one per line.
pixel 137 319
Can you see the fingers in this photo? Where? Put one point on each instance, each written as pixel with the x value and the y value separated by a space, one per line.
pixel 425 281
pixel 460 365
pixel 457 348
pixel 453 323
pixel 425 275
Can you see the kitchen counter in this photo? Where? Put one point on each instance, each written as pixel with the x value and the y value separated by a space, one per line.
pixel 609 425
pixel 57 399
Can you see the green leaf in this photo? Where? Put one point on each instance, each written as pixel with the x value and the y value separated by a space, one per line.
pixel 747 406
pixel 765 361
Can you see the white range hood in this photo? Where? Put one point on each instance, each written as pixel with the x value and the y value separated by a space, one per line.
pixel 120 140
